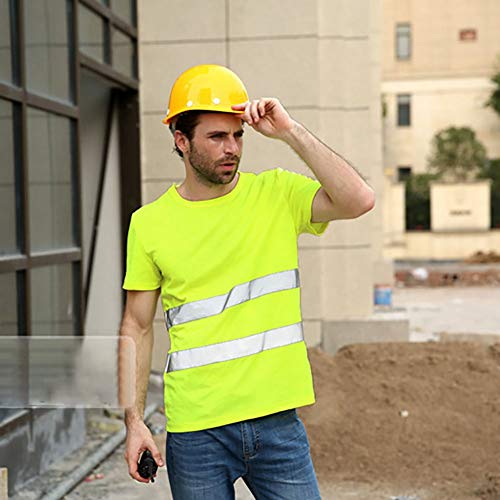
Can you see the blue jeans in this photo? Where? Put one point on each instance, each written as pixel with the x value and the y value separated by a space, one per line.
pixel 271 454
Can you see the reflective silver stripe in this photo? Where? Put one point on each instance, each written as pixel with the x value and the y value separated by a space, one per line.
pixel 276 282
pixel 233 349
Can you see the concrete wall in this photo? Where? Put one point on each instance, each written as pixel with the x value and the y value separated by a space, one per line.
pixel 43 437
pixel 322 59
pixel 460 206
pixel 394 209
pixel 460 220
pixel 427 245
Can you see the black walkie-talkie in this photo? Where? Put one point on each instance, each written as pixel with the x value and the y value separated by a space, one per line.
pixel 147 466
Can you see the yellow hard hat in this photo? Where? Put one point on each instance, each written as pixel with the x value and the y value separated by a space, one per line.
pixel 207 87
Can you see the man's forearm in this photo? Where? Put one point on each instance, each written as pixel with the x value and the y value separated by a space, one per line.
pixel 343 184
pixel 143 340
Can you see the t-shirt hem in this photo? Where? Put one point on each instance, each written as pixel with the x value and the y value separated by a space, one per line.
pixel 140 287
pixel 231 419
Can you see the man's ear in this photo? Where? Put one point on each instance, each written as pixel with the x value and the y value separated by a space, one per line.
pixel 181 141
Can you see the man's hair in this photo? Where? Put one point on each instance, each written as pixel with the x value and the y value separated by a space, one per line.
pixel 186 123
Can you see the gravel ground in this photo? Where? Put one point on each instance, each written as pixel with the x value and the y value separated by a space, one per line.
pixel 431 311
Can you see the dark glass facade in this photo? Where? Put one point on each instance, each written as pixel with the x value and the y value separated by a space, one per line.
pixel 44 45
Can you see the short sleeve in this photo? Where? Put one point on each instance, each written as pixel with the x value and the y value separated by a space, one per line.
pixel 300 191
pixel 142 273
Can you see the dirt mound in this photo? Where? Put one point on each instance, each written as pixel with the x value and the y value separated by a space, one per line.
pixel 491 488
pixel 415 414
pixel 483 257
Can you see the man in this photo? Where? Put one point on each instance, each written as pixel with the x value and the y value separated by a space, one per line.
pixel 222 249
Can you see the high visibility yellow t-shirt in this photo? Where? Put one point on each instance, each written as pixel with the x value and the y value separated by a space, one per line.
pixel 227 269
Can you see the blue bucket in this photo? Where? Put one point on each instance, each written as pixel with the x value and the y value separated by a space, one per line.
pixel 383 295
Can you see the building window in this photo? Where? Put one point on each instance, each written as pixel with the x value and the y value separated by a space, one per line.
pixel 53 298
pixel 404 110
pixel 9 181
pixel 404 173
pixel 124 9
pixel 5 44
pixel 47 36
pixel 92 33
pixel 51 181
pixel 124 56
pixel 403 41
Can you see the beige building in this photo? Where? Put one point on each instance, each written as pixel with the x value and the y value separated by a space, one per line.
pixel 322 59
pixel 438 58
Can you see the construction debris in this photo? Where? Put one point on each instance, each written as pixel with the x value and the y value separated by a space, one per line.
pixel 483 257
pixel 458 274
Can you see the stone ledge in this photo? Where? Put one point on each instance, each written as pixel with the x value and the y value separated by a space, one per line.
pixel 382 326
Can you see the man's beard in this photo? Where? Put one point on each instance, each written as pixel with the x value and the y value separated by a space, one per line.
pixel 206 170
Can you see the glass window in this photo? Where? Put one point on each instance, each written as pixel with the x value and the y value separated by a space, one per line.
pixel 404 110
pixel 91 34
pixel 47 51
pixel 8 241
pixel 124 9
pixel 5 46
pixel 403 41
pixel 404 173
pixel 50 174
pixel 123 54
pixel 53 309
pixel 8 304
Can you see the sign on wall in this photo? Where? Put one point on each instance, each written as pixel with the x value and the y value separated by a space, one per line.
pixel 468 35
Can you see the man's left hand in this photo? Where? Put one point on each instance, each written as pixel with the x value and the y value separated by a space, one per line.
pixel 267 116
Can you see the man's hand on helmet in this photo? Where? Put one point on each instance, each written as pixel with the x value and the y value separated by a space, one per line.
pixel 267 116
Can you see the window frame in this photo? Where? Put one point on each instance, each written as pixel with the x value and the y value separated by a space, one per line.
pixel 112 22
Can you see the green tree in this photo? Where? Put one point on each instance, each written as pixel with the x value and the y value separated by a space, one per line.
pixel 492 168
pixel 417 201
pixel 492 171
pixel 494 100
pixel 456 154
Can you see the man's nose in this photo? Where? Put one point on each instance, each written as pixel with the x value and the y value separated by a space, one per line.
pixel 231 145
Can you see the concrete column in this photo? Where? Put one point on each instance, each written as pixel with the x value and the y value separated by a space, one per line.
pixel 347 125
pixel 350 107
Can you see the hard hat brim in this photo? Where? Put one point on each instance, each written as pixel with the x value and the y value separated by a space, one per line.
pixel 168 119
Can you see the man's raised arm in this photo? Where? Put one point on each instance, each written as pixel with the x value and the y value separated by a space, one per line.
pixel 344 194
